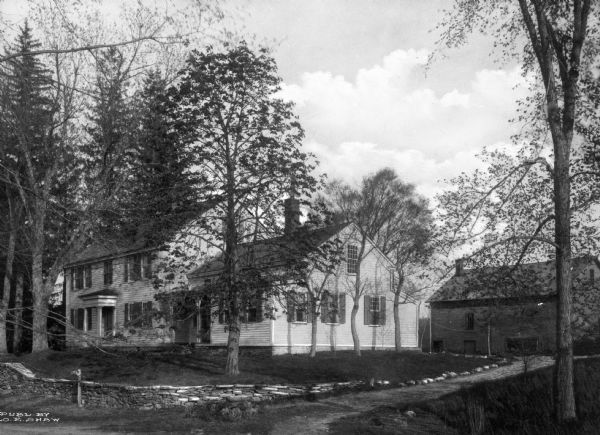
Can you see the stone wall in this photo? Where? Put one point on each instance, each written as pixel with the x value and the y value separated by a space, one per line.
pixel 14 376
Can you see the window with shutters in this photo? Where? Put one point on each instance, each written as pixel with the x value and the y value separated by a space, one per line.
pixel 297 308
pixel 253 310
pixel 374 310
pixel 108 272
pixel 352 259
pixel 138 314
pixel 88 276
pixel 333 308
pixel 136 267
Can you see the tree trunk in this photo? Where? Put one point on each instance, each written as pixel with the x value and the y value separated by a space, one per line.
pixel 313 331
pixel 10 256
pixel 39 292
pixel 18 326
pixel 355 337
pixel 564 395
pixel 233 347
pixel 397 331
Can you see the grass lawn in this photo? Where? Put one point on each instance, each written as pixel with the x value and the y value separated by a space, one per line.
pixel 520 405
pixel 205 366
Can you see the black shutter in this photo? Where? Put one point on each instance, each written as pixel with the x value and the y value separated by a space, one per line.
pixel 342 307
pixel 381 310
pixel 73 317
pixel 325 307
pixel 367 316
pixel 125 269
pixel 127 317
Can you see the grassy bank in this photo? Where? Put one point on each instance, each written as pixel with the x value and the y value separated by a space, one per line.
pixel 206 366
pixel 519 405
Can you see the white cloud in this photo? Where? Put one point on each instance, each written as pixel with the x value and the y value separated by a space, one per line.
pixel 385 118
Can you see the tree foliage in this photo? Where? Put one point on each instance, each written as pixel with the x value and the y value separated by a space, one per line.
pixel 557 45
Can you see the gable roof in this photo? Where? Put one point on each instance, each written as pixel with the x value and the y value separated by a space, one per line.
pixel 104 250
pixel 525 280
pixel 274 251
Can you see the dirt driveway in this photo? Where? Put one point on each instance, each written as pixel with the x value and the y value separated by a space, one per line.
pixel 295 417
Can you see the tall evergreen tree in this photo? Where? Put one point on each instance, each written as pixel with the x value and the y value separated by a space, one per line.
pixel 162 195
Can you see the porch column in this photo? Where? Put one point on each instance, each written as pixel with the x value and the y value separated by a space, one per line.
pixel 85 319
pixel 99 317
pixel 114 321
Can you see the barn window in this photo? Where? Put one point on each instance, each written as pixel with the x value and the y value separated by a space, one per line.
pixel 469 321
pixel 352 259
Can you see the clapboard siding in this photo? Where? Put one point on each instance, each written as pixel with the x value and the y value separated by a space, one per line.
pixel 128 292
pixel 251 334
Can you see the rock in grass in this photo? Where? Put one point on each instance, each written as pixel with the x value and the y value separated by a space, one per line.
pixel 410 414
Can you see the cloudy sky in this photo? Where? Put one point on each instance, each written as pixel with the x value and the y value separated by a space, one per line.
pixel 357 72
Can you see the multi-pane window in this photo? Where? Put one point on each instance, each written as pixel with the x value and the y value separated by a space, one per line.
pixel 79 316
pixel 333 308
pixel 136 267
pixel 108 272
pixel 352 259
pixel 374 310
pixel 469 321
pixel 253 309
pixel 296 308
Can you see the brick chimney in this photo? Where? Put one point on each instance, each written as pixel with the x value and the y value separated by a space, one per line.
pixel 460 266
pixel 291 210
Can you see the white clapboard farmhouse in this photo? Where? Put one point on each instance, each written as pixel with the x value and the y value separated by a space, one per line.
pixel 110 291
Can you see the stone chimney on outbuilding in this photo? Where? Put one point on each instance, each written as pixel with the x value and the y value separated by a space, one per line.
pixel 460 266
pixel 291 210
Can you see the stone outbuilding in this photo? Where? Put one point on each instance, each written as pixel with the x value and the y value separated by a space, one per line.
pixel 512 308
